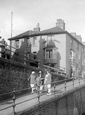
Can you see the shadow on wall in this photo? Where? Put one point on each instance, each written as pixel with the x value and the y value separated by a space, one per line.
pixel 58 59
pixel 40 53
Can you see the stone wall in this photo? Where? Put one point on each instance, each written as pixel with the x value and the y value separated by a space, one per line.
pixel 70 103
pixel 13 75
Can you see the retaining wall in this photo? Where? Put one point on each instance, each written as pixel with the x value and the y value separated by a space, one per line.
pixel 70 103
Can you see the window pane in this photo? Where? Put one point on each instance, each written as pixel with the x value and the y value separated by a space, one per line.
pixel 17 44
pixel 34 39
pixel 28 42
pixel 50 54
pixel 47 54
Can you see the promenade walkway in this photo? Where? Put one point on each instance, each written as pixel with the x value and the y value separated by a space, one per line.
pixel 30 100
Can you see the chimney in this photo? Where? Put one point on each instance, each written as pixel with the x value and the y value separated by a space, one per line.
pixel 73 34
pixel 78 37
pixel 60 23
pixel 37 28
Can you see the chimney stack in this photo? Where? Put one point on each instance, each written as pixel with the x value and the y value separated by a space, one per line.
pixel 73 34
pixel 78 37
pixel 60 23
pixel 37 28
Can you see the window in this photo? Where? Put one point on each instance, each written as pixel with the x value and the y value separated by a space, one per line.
pixel 17 44
pixel 49 37
pixel 22 40
pixel 35 55
pixel 28 55
pixel 82 50
pixel 77 46
pixel 72 54
pixel 49 54
pixel 34 40
pixel 71 42
pixel 28 42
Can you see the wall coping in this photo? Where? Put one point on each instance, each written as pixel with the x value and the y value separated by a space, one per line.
pixel 51 100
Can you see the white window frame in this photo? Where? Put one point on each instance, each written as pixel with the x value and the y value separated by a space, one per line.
pixel 73 54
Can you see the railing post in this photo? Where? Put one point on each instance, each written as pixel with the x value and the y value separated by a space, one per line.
pixel 79 80
pixel 14 98
pixel 73 82
pixel 25 57
pixel 54 87
pixel 38 96
pixel 65 85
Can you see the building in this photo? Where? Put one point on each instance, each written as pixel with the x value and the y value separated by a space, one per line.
pixel 4 49
pixel 53 47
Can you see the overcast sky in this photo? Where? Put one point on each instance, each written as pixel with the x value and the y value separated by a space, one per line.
pixel 27 13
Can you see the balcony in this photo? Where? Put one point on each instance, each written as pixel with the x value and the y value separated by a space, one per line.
pixel 51 61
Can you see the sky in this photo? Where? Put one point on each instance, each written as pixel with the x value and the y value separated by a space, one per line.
pixel 27 13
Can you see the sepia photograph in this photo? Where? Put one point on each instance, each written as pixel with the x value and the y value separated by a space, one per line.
pixel 42 57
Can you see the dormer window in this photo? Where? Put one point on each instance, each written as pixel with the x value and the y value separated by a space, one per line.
pixel 48 54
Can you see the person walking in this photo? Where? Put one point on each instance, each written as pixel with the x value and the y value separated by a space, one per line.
pixel 32 81
pixel 39 82
pixel 47 82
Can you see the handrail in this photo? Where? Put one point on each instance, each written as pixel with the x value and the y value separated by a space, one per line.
pixel 30 88
pixel 39 95
pixel 6 108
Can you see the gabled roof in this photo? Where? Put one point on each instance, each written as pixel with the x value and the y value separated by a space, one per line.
pixel 54 30
pixel 22 35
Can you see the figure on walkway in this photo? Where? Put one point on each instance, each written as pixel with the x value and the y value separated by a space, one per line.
pixel 32 81
pixel 47 82
pixel 39 83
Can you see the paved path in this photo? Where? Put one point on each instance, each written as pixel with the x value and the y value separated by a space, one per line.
pixel 28 104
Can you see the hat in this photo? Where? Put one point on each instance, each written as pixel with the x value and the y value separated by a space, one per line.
pixel 39 71
pixel 33 72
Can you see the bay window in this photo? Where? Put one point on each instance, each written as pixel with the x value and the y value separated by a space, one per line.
pixel 48 54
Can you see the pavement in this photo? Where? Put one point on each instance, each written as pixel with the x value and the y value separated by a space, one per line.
pixel 29 100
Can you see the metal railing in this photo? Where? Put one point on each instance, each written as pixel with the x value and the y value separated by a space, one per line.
pixel 64 87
